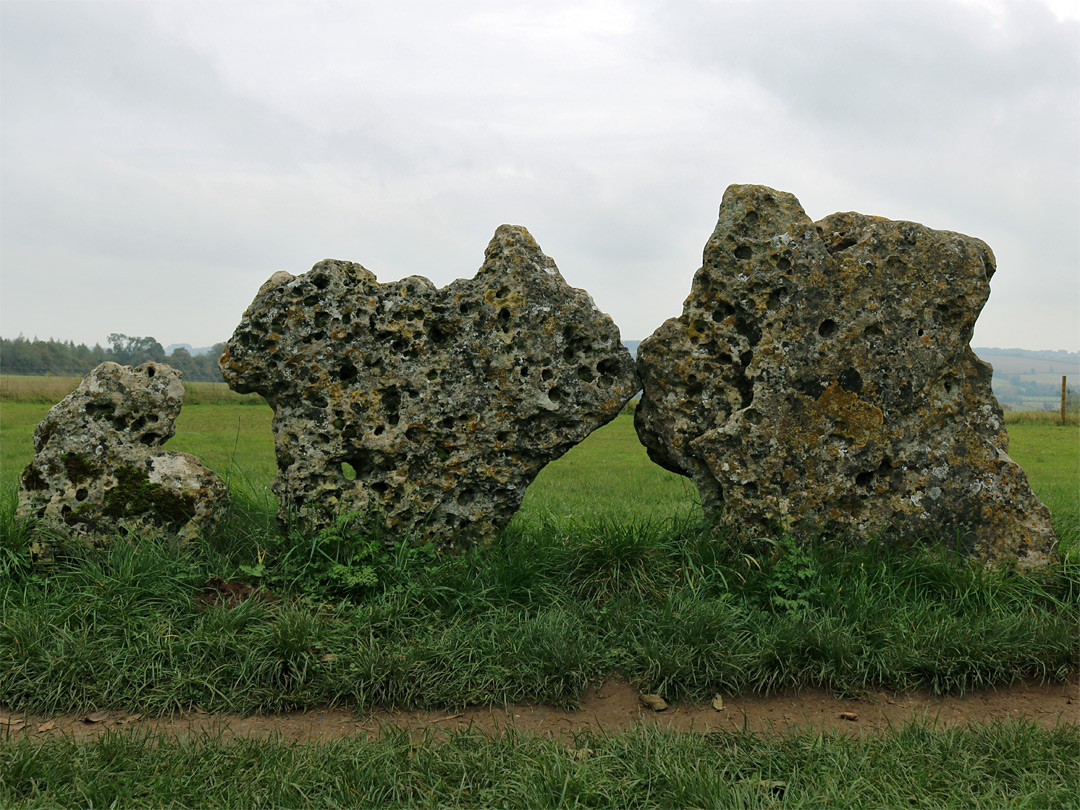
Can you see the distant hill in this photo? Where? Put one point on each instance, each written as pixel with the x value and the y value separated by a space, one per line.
pixel 190 350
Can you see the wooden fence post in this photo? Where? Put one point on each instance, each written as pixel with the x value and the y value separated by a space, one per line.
pixel 1063 389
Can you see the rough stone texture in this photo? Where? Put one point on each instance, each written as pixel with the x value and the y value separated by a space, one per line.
pixel 445 403
pixel 98 469
pixel 820 380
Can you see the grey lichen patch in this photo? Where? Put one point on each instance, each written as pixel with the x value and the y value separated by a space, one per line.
pixel 820 380
pixel 98 469
pixel 433 407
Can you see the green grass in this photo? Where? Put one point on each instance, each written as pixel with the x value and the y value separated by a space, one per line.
pixel 607 569
pixel 565 597
pixel 917 766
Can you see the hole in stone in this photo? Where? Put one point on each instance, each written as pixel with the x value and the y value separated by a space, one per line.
pixel 749 330
pixel 504 319
pixel 139 424
pixel 723 311
pixel 391 399
pixel 555 395
pixel 348 472
pixel 435 334
pixel 920 333
pixel 502 435
pixel 851 381
pixel 568 354
pixel 546 374
pixel 152 417
pixel 810 387
pixel 827 328
pixel 873 330
pixel 311 300
pixel 119 423
pixel 751 217
pixel 863 479
pixel 149 438
pixel 465 307
pixel 447 422
pixel 746 391
pixel 347 372
pixel 379 486
pixel 151 371
pixel 607 366
pixel 378 431
pixel 321 282
pixel 413 434
pixel 774 300
pixel 81 494
pixel 783 264
pixel 524 371
pixel 99 409
pixel 948 387
pixel 743 252
pixel 585 374
pixel 433 375
pixel 606 381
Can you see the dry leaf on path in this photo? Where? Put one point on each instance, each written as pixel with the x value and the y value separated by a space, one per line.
pixel 718 703
pixel 848 716
pixel 96 717
pixel 47 726
pixel 654 702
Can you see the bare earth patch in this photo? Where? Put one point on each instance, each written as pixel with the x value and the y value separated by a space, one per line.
pixel 615 706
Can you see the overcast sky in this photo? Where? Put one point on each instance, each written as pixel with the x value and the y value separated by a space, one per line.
pixel 160 160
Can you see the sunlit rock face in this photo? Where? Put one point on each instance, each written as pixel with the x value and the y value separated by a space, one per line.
pixel 820 380
pixel 98 471
pixel 432 408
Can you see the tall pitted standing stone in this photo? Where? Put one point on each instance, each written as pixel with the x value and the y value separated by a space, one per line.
pixel 820 380
pixel 434 408
pixel 98 468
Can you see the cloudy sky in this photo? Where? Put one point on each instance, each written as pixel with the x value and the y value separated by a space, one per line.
pixel 160 160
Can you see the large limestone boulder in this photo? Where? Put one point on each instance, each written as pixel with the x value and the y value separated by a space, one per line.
pixel 820 380
pixel 434 408
pixel 98 470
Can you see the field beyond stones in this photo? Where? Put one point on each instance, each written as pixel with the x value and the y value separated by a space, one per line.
pixel 606 576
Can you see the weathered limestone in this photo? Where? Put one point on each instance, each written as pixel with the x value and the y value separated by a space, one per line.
pixel 434 408
pixel 820 380
pixel 97 468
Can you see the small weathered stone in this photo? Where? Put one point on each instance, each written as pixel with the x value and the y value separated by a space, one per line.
pixel 820 380
pixel 97 468
pixel 431 408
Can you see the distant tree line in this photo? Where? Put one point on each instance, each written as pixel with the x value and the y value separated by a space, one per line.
pixel 65 359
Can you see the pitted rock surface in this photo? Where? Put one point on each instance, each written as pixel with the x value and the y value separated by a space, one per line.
pixel 820 380
pixel 98 469
pixel 434 408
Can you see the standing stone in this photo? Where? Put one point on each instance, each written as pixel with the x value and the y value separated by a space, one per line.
pixel 432 408
pixel 820 380
pixel 97 470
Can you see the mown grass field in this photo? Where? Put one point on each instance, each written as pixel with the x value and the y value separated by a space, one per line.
pixel 606 570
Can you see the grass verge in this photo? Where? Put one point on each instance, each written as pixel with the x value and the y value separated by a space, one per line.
pixel 916 766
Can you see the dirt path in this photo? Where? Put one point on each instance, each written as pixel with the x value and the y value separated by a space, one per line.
pixel 615 706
